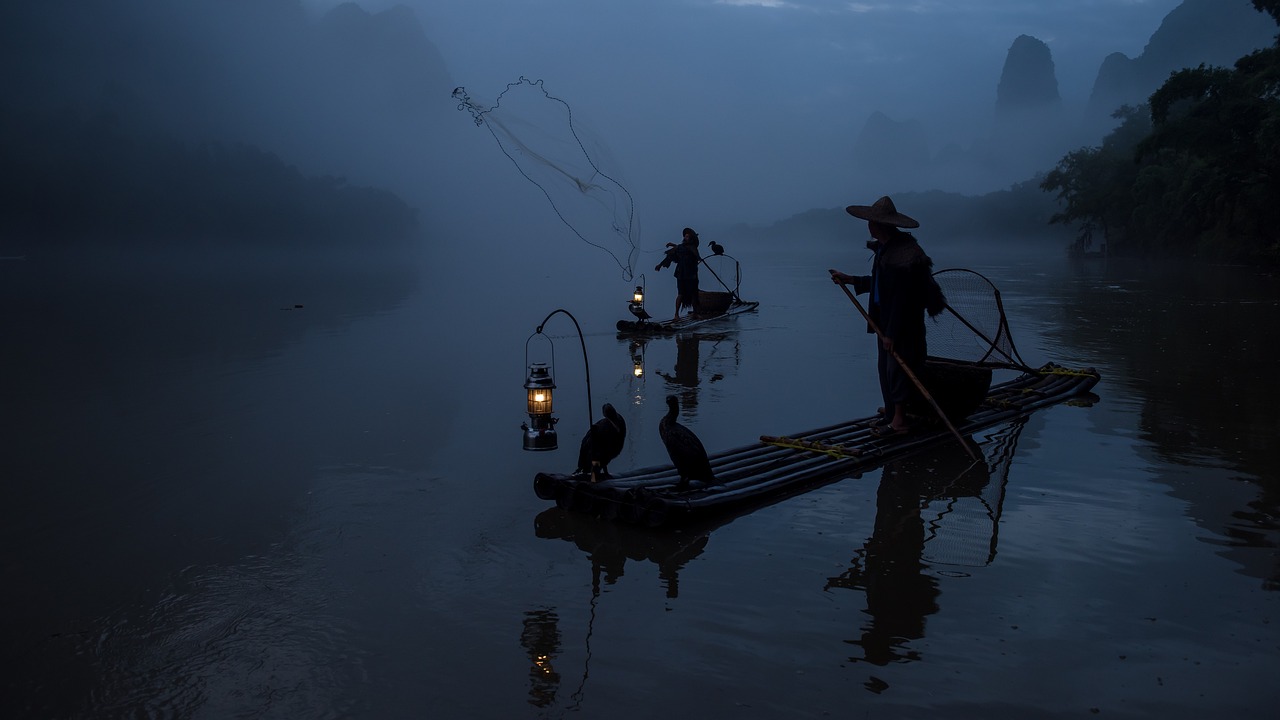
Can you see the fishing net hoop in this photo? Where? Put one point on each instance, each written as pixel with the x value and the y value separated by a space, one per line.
pixel 973 327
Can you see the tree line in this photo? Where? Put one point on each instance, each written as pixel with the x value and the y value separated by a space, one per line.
pixel 1194 172
pixel 69 176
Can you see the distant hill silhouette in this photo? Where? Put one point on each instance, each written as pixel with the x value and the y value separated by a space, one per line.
pixel 1028 83
pixel 1213 32
pixel 1031 127
pixel 313 104
pixel 75 179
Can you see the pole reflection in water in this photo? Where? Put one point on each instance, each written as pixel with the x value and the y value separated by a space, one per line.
pixel 962 519
pixel 608 546
pixel 936 511
pixel 541 640
pixel 932 510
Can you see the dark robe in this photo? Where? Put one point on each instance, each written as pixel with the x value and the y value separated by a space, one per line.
pixel 900 284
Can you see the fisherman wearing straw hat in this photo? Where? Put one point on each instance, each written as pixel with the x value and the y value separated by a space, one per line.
pixel 686 257
pixel 900 287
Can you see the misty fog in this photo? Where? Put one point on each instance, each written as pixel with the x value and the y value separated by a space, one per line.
pixel 714 113
pixel 267 297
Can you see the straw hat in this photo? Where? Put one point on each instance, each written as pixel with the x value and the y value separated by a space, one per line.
pixel 882 211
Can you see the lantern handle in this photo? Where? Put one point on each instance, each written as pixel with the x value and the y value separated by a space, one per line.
pixel 552 365
pixel 585 365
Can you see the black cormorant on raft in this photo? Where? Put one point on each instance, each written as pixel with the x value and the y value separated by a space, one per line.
pixel 601 444
pixel 686 451
pixel 780 466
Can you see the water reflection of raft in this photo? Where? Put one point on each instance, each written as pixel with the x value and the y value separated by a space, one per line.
pixel 777 467
pixel 713 307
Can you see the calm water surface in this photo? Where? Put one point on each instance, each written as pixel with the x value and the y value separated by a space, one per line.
pixel 221 504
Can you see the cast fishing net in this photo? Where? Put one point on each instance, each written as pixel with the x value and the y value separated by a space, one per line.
pixel 573 169
pixel 972 327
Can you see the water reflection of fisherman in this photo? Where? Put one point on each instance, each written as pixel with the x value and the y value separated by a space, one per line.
pixel 899 595
pixel 686 258
pixel 890 568
pixel 687 360
pixel 686 371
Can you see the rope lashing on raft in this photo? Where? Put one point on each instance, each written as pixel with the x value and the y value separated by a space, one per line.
pixel 836 451
pixel 1068 372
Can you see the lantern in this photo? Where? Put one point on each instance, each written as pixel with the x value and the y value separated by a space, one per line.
pixel 636 306
pixel 540 432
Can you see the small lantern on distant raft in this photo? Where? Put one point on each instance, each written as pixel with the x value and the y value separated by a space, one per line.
pixel 540 432
pixel 636 306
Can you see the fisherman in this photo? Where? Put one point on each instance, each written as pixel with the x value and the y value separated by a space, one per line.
pixel 901 286
pixel 686 257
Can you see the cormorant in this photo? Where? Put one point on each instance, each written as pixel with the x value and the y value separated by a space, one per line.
pixel 684 448
pixel 717 248
pixel 601 444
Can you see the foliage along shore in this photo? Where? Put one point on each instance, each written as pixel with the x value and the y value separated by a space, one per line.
pixel 1195 172
pixel 1021 213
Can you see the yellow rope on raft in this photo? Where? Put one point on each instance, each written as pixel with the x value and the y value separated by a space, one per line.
pixel 836 451
pixel 1067 371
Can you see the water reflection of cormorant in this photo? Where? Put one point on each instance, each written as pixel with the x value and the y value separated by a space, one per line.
pixel 933 509
pixel 609 545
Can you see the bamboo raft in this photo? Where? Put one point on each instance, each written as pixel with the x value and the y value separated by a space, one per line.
pixel 782 466
pixel 688 322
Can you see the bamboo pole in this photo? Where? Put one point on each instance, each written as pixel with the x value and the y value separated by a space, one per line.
pixel 902 363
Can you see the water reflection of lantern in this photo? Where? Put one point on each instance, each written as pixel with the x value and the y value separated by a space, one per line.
pixel 540 432
pixel 637 359
pixel 541 640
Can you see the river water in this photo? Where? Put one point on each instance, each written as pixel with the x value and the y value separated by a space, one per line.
pixel 242 488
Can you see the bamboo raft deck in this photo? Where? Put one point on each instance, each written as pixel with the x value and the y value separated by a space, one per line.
pixel 778 467
pixel 688 322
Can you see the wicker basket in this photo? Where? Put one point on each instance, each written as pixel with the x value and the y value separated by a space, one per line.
pixel 711 303
pixel 958 387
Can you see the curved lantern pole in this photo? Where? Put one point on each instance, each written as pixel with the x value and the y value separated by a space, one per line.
pixel 636 304
pixel 540 432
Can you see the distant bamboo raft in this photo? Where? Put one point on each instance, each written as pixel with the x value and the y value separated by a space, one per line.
pixel 687 322
pixel 785 465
